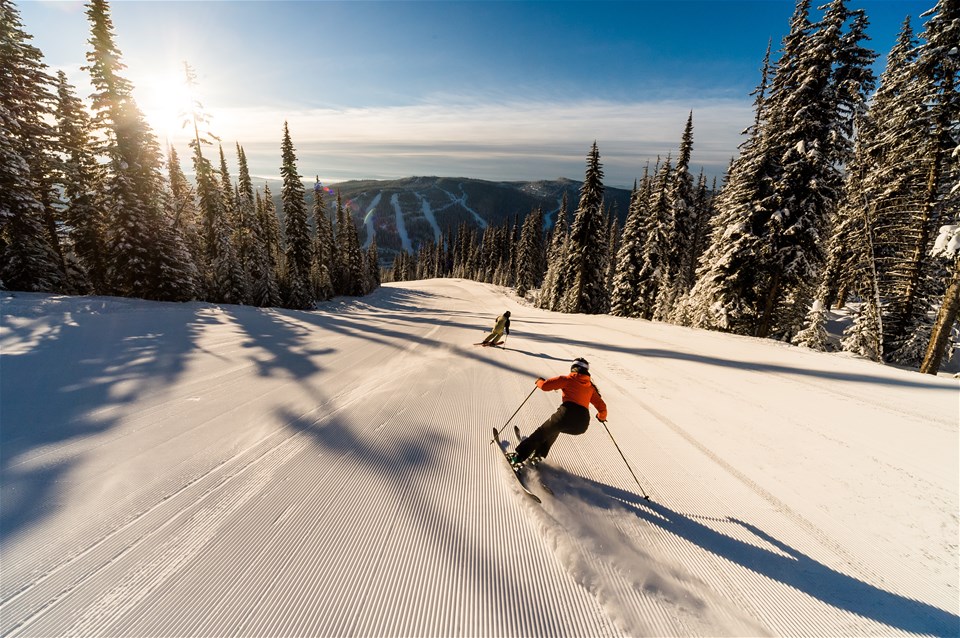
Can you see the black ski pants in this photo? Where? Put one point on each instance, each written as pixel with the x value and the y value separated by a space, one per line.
pixel 569 418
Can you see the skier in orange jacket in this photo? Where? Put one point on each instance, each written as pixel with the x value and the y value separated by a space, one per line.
pixel 572 417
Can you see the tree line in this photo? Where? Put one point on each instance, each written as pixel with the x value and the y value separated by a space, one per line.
pixel 90 205
pixel 843 188
pixel 841 194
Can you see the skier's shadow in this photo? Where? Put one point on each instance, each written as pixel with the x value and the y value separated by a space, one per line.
pixel 537 355
pixel 792 567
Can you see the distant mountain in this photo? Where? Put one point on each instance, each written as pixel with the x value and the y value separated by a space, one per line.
pixel 407 213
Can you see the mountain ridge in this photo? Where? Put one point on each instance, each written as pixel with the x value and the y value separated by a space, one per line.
pixel 408 213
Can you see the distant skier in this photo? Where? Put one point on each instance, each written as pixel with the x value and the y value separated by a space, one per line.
pixel 572 417
pixel 502 327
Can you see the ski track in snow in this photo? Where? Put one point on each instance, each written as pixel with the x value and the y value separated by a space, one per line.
pixel 461 200
pixel 368 221
pixel 238 471
pixel 428 213
pixel 401 227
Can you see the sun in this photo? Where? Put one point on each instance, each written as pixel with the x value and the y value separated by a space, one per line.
pixel 164 98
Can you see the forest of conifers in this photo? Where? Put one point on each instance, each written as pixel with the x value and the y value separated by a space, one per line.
pixel 845 192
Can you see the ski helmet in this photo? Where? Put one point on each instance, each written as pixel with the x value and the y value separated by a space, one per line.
pixel 580 365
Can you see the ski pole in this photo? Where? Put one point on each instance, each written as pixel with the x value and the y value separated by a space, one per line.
pixel 514 413
pixel 625 460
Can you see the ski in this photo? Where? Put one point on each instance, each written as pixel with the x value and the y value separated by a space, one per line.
pixel 516 473
pixel 543 484
pixel 488 345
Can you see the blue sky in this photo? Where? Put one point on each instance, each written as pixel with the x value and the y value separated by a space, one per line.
pixel 493 90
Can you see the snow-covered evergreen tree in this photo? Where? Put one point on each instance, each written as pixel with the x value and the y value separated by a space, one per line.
pixel 814 335
pixel 554 286
pixel 938 66
pixel 530 254
pixel 725 294
pixel 372 261
pixel 185 214
pixel 29 257
pixel 759 278
pixel 652 278
pixel 802 131
pixel 320 277
pixel 264 281
pixel 229 273
pixel 947 247
pixel 629 260
pixel 681 250
pixel 584 268
pixel 296 232
pixel 245 235
pixel 354 269
pixel 862 337
pixel 80 178
pixel 134 181
pixel 613 245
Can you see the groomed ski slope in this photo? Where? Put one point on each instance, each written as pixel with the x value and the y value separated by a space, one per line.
pixel 194 470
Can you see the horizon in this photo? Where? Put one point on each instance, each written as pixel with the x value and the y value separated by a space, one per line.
pixel 496 91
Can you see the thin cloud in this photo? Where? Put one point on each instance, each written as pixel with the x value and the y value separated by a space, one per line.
pixel 500 141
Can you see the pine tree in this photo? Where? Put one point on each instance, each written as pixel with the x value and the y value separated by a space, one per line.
pixel 802 120
pixel 785 187
pixel 681 249
pixel 652 278
pixel 245 234
pixel 133 169
pixel 939 68
pixel 725 295
pixel 629 261
pixel 613 245
pixel 586 256
pixel 177 274
pixel 940 333
pixel 703 216
pixel 354 270
pixel 320 277
pixel 265 287
pixel 186 216
pixel 228 272
pixel 530 255
pixel 29 258
pixel 814 335
pixel 554 286
pixel 296 231
pixel 270 227
pixel 865 236
pixel 372 260
pixel 80 178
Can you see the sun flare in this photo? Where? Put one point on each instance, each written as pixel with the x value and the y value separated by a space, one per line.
pixel 164 99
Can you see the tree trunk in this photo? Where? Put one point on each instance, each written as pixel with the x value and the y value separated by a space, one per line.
pixel 945 320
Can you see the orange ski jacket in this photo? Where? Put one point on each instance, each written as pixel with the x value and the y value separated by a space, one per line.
pixel 576 388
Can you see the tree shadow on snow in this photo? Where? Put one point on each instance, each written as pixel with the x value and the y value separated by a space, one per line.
pixel 788 565
pixel 750 365
pixel 103 355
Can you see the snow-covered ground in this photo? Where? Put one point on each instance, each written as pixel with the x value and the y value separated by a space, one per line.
pixel 195 470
